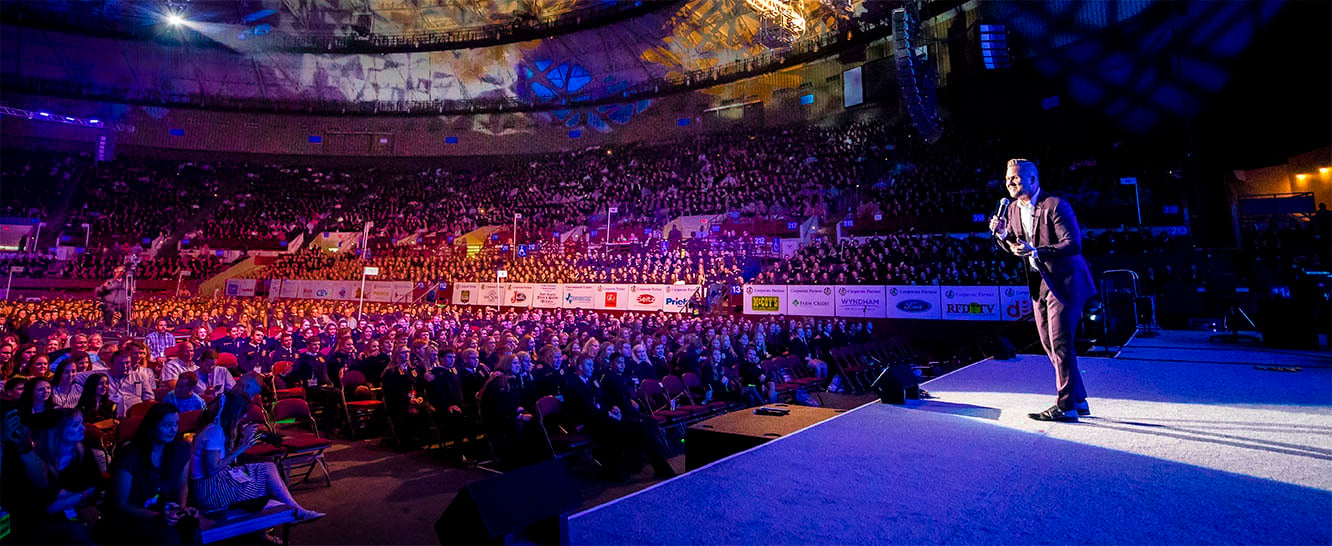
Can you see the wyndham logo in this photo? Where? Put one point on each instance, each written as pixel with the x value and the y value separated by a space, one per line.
pixel 914 306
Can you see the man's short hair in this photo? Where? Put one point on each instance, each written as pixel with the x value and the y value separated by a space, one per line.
pixel 1024 165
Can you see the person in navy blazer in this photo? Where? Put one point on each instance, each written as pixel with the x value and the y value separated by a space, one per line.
pixel 1042 230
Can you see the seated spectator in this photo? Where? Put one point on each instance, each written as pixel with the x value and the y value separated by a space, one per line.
pixel 13 391
pixel 59 478
pixel 146 503
pixel 216 483
pixel 182 395
pixel 183 362
pixel 405 388
pixel 65 390
pixel 585 404
pixel 95 401
pixel 213 379
pixel 502 413
pixel 38 368
pixel 36 399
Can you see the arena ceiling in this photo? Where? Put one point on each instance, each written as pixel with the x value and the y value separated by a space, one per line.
pixel 685 37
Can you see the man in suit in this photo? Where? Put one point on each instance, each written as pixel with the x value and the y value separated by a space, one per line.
pixel 251 356
pixel 1042 230
pixel 586 404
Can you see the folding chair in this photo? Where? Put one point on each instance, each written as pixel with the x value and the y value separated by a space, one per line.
pixel 676 390
pixel 304 450
pixel 228 361
pixel 280 388
pixel 659 406
pixel 563 442
pixel 693 384
pixel 137 411
pixel 358 411
pixel 262 451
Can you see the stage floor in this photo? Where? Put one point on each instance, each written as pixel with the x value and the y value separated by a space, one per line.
pixel 1188 444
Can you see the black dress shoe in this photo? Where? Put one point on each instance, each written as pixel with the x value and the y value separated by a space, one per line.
pixel 1055 414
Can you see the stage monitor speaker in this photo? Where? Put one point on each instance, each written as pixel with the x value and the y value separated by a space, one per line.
pixel 531 503
pixel 1288 324
pixel 1000 348
pixel 896 384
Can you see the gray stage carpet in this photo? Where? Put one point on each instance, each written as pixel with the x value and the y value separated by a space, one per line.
pixel 1182 450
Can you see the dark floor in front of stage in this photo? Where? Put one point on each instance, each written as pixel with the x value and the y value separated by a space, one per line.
pixel 380 496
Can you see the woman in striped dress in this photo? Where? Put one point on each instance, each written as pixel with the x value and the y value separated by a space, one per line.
pixel 216 483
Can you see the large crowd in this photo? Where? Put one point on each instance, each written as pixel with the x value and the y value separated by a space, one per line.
pixel 898 259
pixel 474 381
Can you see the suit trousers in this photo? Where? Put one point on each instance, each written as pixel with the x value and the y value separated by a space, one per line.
pixel 1057 324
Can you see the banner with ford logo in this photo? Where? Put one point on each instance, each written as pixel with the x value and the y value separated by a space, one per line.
pixel 970 302
pixel 912 302
pixel 861 301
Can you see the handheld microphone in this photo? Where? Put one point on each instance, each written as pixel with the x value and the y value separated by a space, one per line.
pixel 1003 206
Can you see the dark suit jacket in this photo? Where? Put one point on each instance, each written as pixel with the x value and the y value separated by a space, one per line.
pixel 583 402
pixel 1058 242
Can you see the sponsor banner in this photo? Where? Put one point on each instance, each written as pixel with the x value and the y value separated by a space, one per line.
pixel 1015 302
pixel 612 297
pixel 578 296
pixel 329 290
pixel 677 297
pixel 970 302
pixel 466 293
pixel 813 300
pixel 290 289
pixel 912 302
pixel 518 294
pixel 490 294
pixel 389 291
pixel 861 301
pixel 765 299
pixel 546 296
pixel 240 288
pixel 647 297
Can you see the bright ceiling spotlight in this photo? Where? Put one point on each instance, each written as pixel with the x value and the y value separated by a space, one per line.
pixel 174 19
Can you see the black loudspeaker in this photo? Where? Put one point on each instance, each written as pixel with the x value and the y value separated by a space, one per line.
pixel 1288 324
pixel 896 384
pixel 1002 349
pixel 531 502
